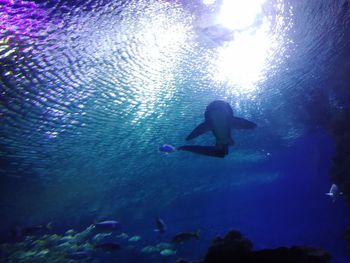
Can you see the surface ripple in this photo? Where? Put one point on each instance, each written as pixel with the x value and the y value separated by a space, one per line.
pixel 90 90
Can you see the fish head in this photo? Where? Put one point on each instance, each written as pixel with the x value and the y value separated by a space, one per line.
pixel 218 111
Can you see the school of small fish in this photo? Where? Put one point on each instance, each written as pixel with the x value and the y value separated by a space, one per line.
pixel 37 243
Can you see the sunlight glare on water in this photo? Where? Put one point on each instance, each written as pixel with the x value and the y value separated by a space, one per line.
pixel 161 48
pixel 239 14
pixel 244 62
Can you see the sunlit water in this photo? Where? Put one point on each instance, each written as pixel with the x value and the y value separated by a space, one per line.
pixel 89 90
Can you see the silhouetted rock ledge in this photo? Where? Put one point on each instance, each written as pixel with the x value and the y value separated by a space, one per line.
pixel 234 248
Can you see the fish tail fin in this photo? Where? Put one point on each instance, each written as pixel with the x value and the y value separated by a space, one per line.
pixel 49 225
pixel 205 150
pixel 198 233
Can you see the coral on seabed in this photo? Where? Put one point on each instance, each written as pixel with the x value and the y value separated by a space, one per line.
pixel 235 248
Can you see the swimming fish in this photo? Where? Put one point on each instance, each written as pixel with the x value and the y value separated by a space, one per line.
pixel 123 235
pixel 42 253
pixel 149 249
pixel 67 238
pixel 334 192
pixel 167 148
pixel 134 239
pixel 70 232
pixel 168 252
pixel 108 225
pixel 100 236
pixel 219 119
pixel 185 236
pixel 164 245
pixel 160 225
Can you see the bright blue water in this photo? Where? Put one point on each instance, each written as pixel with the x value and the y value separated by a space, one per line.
pixel 90 92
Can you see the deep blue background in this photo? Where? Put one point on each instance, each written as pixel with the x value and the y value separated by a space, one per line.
pixel 90 91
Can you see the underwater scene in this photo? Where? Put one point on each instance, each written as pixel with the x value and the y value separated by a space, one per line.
pixel 175 131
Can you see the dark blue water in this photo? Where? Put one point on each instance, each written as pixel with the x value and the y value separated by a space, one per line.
pixel 91 89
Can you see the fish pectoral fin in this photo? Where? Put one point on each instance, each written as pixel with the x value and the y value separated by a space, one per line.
pixel 240 123
pixel 199 130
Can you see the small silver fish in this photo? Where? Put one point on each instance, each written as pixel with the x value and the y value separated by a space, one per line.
pixel 108 225
pixel 100 236
pixel 123 235
pixel 160 225
pixel 150 249
pixel 168 252
pixel 134 239
pixel 334 192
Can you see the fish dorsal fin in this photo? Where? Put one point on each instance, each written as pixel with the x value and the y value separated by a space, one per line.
pixel 240 123
pixel 199 130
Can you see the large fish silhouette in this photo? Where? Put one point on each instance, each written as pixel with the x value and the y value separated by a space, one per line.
pixel 219 119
